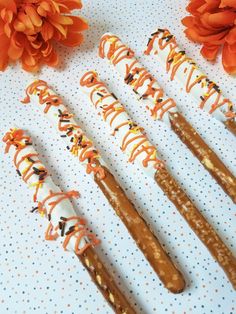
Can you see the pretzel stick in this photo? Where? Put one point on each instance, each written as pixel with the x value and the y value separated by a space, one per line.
pixel 105 282
pixel 231 126
pixel 136 145
pixel 55 205
pixel 164 108
pixel 204 153
pixel 205 92
pixel 80 146
pixel 145 239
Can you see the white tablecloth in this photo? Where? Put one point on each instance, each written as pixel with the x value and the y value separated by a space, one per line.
pixel 37 276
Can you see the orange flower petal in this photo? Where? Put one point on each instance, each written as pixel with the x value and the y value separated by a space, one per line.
pixel 57 36
pixel 216 39
pixel 210 52
pixel 19 26
pixel 53 59
pixel 73 5
pixel 31 38
pixel 4 44
pixel 8 4
pixel 64 9
pixel 47 31
pixel 30 68
pixel 1 27
pixel 232 48
pixel 228 60
pixel 231 37
pixel 43 8
pixel 188 21
pixel 55 6
pixel 47 49
pixel 210 5
pixel 7 30
pixel 28 57
pixel 194 5
pixel 79 24
pixel 227 3
pixel 61 19
pixel 73 40
pixel 220 19
pixel 25 20
pixel 36 44
pixel 6 15
pixel 15 49
pixel 33 15
pixel 59 27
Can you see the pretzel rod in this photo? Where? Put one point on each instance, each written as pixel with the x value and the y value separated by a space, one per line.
pixel 206 93
pixel 40 94
pixel 136 145
pixel 55 205
pixel 231 125
pixel 198 223
pixel 204 153
pixel 164 108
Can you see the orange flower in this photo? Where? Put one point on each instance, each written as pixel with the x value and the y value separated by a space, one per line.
pixel 213 24
pixel 29 29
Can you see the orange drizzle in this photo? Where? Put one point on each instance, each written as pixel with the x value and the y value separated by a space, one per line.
pixel 17 138
pixel 80 146
pixel 90 79
pixel 40 88
pixel 175 59
pixel 80 232
pixel 116 54
pixel 78 229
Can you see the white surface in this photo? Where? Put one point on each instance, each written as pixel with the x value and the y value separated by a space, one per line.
pixel 37 276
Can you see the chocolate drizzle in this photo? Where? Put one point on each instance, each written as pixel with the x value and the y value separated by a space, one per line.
pixel 204 153
pixel 141 233
pixel 105 282
pixel 198 223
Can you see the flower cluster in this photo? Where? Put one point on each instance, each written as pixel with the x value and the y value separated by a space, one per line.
pixel 213 24
pixel 29 30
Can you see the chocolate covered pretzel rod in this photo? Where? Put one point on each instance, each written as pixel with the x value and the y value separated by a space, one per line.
pixel 164 108
pixel 80 146
pixel 55 205
pixel 205 92
pixel 136 145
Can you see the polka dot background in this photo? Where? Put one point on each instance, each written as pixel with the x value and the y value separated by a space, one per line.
pixel 38 276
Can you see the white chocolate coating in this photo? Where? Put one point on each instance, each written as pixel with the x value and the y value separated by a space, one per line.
pixel 62 120
pixel 206 93
pixel 46 192
pixel 135 75
pixel 130 137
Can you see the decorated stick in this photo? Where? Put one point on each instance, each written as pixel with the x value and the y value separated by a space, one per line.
pixel 164 108
pixel 136 145
pixel 205 92
pixel 55 205
pixel 80 146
